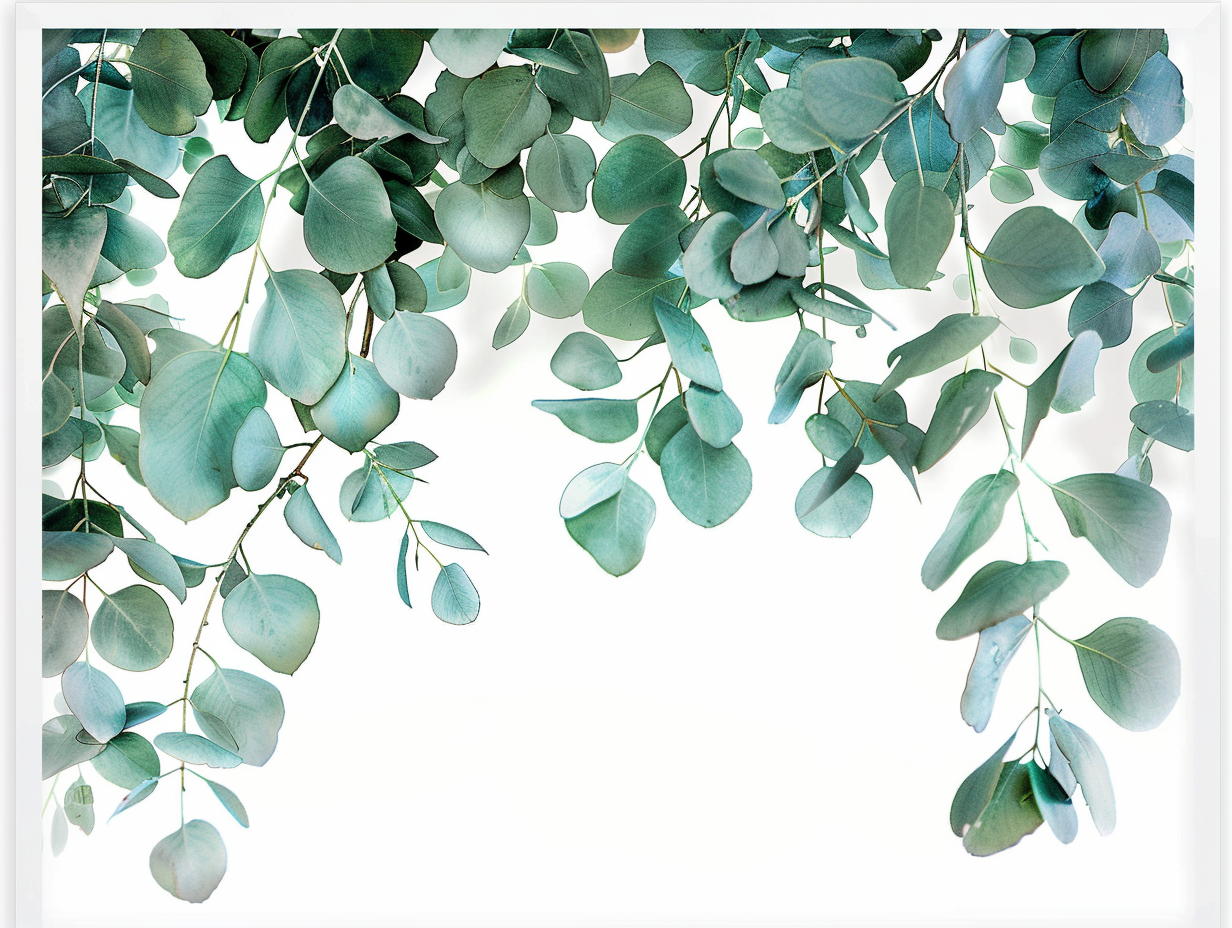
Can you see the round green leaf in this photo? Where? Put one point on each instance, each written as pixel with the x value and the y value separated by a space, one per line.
pixel 132 629
pixel 708 485
pixel 257 452
pixel 170 87
pixel 468 52
pixel 273 617
pixel 250 709
pixel 483 228
pixel 127 761
pixel 219 216
pixel 415 354
pixel 842 513
pixel 637 173
pixel 190 414
pixel 586 362
pixel 358 407
pixel 614 531
pixel 1132 670
pixel 503 113
pixel 602 420
pixel 558 170
pixel 65 629
pixel 650 245
pixel 348 224
pixel 1036 257
pixel 454 597
pixel 190 863
pixel 654 103
pixel 297 339
pixel 621 306
pixel 304 519
pixel 94 699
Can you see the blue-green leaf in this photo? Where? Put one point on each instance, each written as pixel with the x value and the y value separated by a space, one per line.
pixel 454 597
pixel 258 451
pixel 304 519
pixel 975 519
pixel 614 531
pixel 707 484
pixel 358 407
pixel 996 648
pixel 233 705
pixel 190 863
pixel 297 338
pixel 94 699
pixel 998 591
pixel 274 618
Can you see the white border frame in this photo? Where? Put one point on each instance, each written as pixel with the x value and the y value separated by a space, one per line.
pixel 1205 675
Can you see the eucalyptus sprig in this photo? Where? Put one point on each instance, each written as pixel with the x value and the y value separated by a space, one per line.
pixel 476 173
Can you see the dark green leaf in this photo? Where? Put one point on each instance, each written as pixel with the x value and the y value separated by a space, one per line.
pixel 170 87
pixel 998 591
pixel 975 519
pixel 1125 520
pixel 1036 257
pixel 614 531
pixel 637 173
pixel 348 224
pixel 219 216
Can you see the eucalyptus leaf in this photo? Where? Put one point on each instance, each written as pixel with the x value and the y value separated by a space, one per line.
pixel 708 485
pixel 1054 803
pixel 348 224
pixel 972 88
pixel 601 420
pixel 996 648
pixel 219 216
pixel 250 709
pixel 1036 257
pixel 454 597
pixel 636 174
pixel 1089 769
pixel 807 361
pixel 127 761
pixel 275 618
pixel 94 699
pixel 257 452
pixel 614 531
pixel 1132 670
pixel 975 520
pixel 919 225
pixel 132 629
pixel 415 354
pixel 1125 520
pixel 1067 384
pixel 949 340
pixel 190 863
pixel 584 361
pixel 304 519
pixel 998 591
pixel 358 407
pixel 297 339
pixel 963 401
pixel 65 630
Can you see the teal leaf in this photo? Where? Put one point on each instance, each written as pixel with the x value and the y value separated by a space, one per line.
pixel 708 485
pixel 1036 257
pixel 602 420
pixel 584 361
pixel 996 648
pixel 653 103
pixel 1132 670
pixel 298 339
pixel 688 345
pixel 304 519
pixel 1154 103
pixel 1022 143
pixel 836 477
pixel 809 358
pixel 745 174
pixel 127 761
pixel 650 245
pixel 919 224
pixel 65 630
pixel 949 340
pixel 707 260
pixel 585 90
pixel 137 712
pixel 484 228
pixel 190 414
pixel 1165 422
pixel 257 452
pixel 963 401
pixel 713 415
pixel 976 791
pixel 1162 384
pixel 71 248
pixel 79 805
pixel 358 407
pixel 403 589
pixel 902 444
pixel 61 747
pixel 132 629
pixel 274 618
pixel 754 258
pixel 972 88
pixel 556 289
pixel 1172 352
pixel 454 597
pixel 620 306
pixel 503 113
pixel 348 224
pixel 170 87
pixel 403 455
pixel 231 704
pixel 592 486
pixel 1054 803
pixel 636 174
pixel 828 435
pixel 848 99
pixel 890 408
pixel 1011 814
pixel 68 555
pixel 841 513
pixel 230 801
pixel 1125 520
pixel 1089 769
pixel 415 354
pixel 190 863
pixel 1010 184
pixel 362 116
pixel 94 699
pixel 669 420
pixel 998 591
pixel 468 52
pixel 1067 384
pixel 135 795
pixel 1104 309
pixel 1130 252
pixel 372 493
pixel 449 536
pixel 614 531
pixel 975 520
pixel 219 216
pixel 789 123
pixel 558 169
pixel 1111 58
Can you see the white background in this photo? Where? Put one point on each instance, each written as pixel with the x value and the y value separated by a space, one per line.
pixel 756 725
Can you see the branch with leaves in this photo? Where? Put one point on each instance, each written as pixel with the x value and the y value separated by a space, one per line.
pixel 479 170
